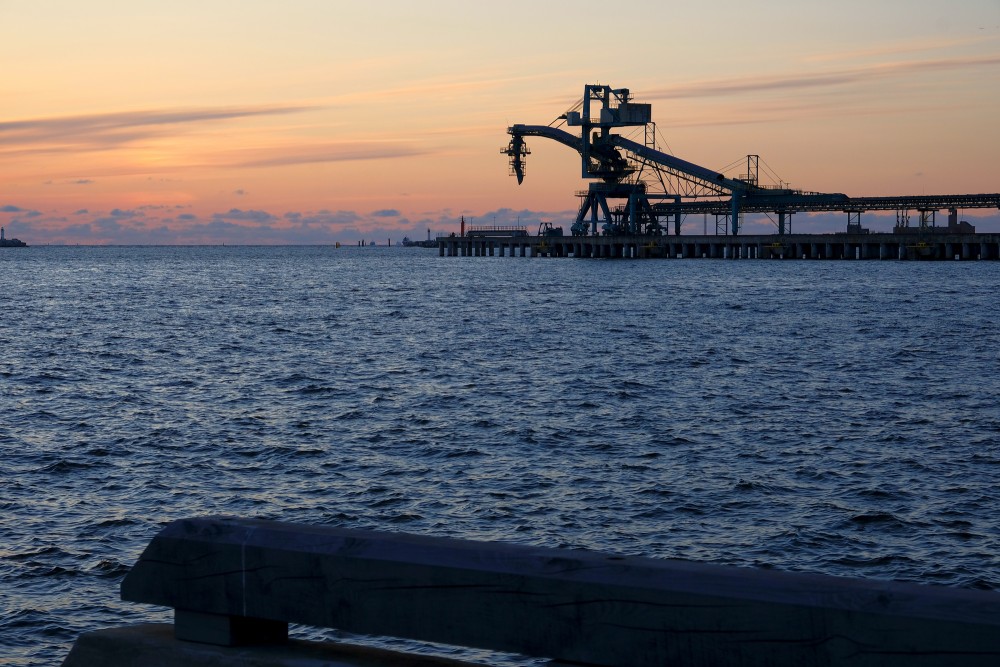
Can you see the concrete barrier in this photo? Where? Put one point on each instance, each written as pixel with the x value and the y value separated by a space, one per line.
pixel 237 583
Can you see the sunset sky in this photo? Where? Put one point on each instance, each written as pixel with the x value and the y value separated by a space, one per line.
pixel 315 121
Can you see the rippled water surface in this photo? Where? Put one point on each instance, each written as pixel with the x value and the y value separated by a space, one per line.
pixel 833 417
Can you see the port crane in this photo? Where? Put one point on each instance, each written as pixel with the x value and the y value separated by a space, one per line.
pixel 650 183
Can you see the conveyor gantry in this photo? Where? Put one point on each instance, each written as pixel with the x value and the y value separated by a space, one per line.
pixel 616 165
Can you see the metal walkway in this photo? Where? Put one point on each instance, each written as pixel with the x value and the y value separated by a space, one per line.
pixel 803 203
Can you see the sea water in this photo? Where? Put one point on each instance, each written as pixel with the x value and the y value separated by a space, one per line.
pixel 838 417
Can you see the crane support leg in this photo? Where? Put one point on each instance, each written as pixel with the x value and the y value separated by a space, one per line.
pixel 736 214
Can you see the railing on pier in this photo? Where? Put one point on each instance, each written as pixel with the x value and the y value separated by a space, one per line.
pixel 942 244
pixel 234 583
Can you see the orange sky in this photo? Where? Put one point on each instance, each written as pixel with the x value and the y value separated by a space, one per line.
pixel 315 121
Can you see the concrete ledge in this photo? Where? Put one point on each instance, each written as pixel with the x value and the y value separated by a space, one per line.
pixel 153 645
pixel 574 606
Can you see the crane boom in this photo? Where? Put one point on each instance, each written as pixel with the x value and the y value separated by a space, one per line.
pixel 709 177
pixel 619 163
pixel 636 174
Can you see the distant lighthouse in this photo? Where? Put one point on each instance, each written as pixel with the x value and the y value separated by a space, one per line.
pixel 9 243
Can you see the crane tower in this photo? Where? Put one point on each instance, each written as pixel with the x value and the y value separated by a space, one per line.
pixel 641 177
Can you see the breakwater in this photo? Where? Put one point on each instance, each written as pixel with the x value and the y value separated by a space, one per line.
pixel 238 583
pixel 843 246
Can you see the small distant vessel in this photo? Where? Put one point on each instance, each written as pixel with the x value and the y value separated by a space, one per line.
pixel 10 243
pixel 420 244
pixel 921 250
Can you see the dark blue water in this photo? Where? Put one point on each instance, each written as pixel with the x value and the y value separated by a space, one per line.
pixel 832 417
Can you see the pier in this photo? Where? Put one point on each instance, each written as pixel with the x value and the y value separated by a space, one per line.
pixel 638 192
pixel 236 584
pixel 842 246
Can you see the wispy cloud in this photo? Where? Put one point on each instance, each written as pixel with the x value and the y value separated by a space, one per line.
pixel 110 130
pixel 921 45
pixel 799 81
pixel 277 156
pixel 438 88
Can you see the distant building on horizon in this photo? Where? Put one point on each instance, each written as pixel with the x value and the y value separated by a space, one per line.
pixel 9 243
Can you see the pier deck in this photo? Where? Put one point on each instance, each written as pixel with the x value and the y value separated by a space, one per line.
pixel 917 245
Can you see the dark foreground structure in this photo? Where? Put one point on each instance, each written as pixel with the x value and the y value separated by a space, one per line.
pixel 638 190
pixel 236 584
pixel 790 246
